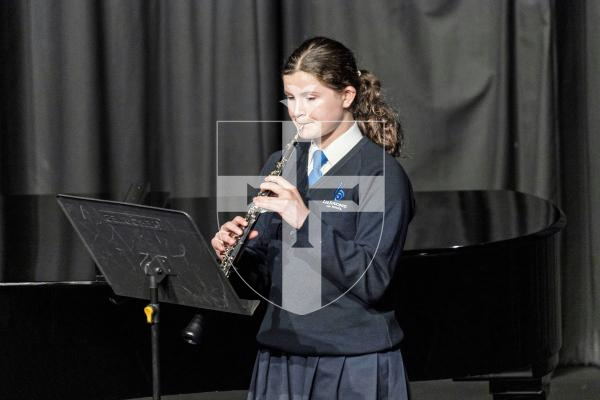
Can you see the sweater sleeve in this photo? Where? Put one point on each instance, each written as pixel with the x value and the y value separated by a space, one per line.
pixel 366 263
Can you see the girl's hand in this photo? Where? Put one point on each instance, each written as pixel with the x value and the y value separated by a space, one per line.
pixel 287 201
pixel 228 234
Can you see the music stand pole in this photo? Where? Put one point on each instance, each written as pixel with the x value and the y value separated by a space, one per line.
pixel 156 274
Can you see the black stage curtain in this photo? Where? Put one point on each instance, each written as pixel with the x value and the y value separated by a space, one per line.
pixel 493 94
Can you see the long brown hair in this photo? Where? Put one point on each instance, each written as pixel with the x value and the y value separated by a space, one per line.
pixel 334 65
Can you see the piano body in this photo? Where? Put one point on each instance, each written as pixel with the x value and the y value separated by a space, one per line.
pixel 478 288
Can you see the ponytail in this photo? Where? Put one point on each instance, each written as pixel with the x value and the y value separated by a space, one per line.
pixel 376 119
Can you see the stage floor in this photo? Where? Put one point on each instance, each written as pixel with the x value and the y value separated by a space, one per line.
pixel 575 383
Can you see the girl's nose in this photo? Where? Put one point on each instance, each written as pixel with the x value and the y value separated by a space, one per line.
pixel 299 108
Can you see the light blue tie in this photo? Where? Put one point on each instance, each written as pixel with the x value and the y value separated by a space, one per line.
pixel 319 159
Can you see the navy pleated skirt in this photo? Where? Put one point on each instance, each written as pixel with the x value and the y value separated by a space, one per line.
pixel 375 376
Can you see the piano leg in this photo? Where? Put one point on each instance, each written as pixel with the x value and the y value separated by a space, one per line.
pixel 520 388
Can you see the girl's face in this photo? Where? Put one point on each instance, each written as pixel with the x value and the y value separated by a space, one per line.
pixel 319 112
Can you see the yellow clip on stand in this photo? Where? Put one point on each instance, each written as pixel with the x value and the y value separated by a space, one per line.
pixel 151 311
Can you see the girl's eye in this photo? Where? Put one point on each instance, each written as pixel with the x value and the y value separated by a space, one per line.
pixel 311 98
pixel 290 98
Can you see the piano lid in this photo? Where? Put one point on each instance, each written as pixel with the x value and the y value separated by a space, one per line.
pixel 37 243
pixel 448 220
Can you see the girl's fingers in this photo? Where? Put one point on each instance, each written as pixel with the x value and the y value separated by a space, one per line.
pixel 232 227
pixel 240 221
pixel 226 237
pixel 228 240
pixel 220 244
pixel 280 181
pixel 217 245
pixel 273 187
pixel 262 203
pixel 271 203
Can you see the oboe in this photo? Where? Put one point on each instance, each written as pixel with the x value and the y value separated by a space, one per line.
pixel 231 254
pixel 193 332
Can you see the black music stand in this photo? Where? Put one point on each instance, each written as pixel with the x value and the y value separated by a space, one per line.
pixel 152 253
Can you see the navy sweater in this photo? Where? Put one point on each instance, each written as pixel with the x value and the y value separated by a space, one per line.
pixel 362 320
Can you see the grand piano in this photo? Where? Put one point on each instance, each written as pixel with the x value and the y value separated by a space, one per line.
pixel 477 288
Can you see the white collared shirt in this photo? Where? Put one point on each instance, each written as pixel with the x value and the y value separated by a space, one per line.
pixel 336 149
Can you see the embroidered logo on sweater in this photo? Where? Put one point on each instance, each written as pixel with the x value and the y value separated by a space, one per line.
pixel 338 195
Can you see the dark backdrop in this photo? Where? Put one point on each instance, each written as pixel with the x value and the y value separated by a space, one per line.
pixel 493 95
